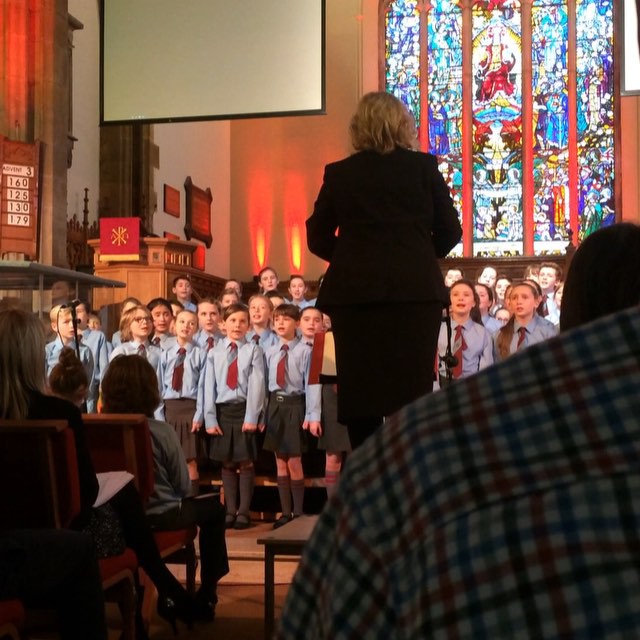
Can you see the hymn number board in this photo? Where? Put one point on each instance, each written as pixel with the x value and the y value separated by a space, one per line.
pixel 19 200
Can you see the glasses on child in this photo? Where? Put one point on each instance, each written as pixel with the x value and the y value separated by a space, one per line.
pixel 142 319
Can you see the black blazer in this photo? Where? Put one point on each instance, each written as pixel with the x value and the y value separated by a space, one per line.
pixel 42 407
pixel 395 218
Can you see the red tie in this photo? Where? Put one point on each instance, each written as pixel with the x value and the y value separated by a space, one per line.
pixel 256 338
pixel 156 341
pixel 178 370
pixel 459 345
pixel 232 371
pixel 209 344
pixel 522 332
pixel 545 309
pixel 282 367
pixel 141 350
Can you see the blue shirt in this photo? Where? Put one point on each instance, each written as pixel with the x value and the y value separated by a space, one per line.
pixel 192 378
pixel 268 338
pixel 479 351
pixel 202 336
pixel 296 375
pixel 97 343
pixel 251 380
pixel 491 324
pixel 538 330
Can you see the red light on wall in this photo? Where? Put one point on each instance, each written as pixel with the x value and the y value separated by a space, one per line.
pixel 296 248
pixel 260 247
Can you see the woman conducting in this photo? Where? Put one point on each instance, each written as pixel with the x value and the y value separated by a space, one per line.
pixel 383 288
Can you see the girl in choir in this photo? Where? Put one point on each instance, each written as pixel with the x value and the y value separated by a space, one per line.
pixel 525 327
pixel 135 328
pixel 260 310
pixel 471 343
pixel 268 280
pixel 334 436
pixel 183 364
pixel 485 304
pixel 234 397
pixel 127 303
pixel 162 318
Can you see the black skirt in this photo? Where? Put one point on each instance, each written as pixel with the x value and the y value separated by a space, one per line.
pixel 384 356
pixel 234 445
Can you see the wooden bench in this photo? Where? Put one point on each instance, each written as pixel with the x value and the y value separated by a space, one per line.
pixel 288 540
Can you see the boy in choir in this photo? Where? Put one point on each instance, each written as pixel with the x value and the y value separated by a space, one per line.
pixel 234 398
pixel 549 278
pixel 183 291
pixel 294 408
pixel 260 310
pixel 297 290
pixel 229 296
pixel 232 283
pixel 471 343
pixel 275 297
pixel 183 364
pixel 97 343
pixel 62 324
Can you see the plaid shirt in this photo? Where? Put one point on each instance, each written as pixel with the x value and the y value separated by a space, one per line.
pixel 507 506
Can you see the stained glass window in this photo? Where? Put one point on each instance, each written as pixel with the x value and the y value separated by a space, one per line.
pixel 536 167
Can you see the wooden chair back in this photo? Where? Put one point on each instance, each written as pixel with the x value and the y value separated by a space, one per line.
pixel 122 442
pixel 38 473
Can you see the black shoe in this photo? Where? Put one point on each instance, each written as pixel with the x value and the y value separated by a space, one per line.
pixel 204 608
pixel 171 612
pixel 229 521
pixel 282 520
pixel 242 522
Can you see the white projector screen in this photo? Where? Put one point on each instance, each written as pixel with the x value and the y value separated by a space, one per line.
pixel 170 61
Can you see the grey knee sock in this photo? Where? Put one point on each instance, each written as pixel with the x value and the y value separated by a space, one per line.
pixel 297 489
pixel 247 477
pixel 284 491
pixel 230 486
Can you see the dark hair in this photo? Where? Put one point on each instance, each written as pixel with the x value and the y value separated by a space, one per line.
pixel 182 277
pixel 68 376
pixel 159 302
pixel 486 287
pixel 474 313
pixel 552 265
pixel 235 307
pixel 130 385
pixel 603 277
pixel 289 310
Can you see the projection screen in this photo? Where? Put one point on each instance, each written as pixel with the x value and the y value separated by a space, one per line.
pixel 165 61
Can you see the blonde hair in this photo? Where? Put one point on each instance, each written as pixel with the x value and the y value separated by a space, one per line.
pixel 22 363
pixel 381 123
pixel 57 312
pixel 127 319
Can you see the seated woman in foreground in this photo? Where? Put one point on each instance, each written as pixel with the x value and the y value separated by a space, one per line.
pixel 130 386
pixel 23 395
